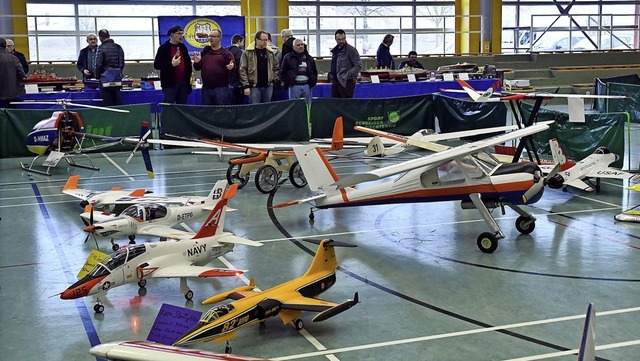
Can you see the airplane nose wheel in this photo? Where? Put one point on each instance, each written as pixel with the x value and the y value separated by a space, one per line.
pixel 487 242
pixel 189 295
pixel 525 225
pixel 98 307
pixel 114 245
pixel 298 324
pixel 227 348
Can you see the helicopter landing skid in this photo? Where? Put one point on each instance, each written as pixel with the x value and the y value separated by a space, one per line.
pixel 53 159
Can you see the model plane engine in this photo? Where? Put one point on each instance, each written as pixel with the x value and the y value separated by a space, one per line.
pixel 268 308
pixel 556 182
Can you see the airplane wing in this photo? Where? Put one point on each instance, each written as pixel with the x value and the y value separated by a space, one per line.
pixel 307 304
pixel 151 351
pixel 162 230
pixel 185 270
pixel 578 183
pixel 609 172
pixel 438 158
pixel 298 201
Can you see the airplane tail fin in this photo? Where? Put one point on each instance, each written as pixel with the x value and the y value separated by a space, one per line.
pixel 556 152
pixel 72 183
pixel 337 138
pixel 587 351
pixel 214 223
pixel 375 148
pixel 477 97
pixel 325 258
pixel 217 191
pixel 316 168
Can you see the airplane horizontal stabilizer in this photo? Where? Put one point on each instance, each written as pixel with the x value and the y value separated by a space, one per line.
pixel 238 240
pixel 336 309
pixel 577 183
pixel 611 173
pixel 183 270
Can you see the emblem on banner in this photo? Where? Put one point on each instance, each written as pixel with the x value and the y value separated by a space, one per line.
pixel 196 32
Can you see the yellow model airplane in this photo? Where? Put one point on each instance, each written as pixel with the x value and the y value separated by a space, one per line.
pixel 287 300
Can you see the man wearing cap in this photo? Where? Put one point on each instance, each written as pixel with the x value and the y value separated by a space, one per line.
pixel 174 63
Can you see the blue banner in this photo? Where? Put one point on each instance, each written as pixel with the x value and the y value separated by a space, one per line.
pixel 197 28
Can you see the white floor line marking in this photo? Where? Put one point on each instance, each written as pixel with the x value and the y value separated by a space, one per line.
pixel 575 351
pixel 118 167
pixel 452 334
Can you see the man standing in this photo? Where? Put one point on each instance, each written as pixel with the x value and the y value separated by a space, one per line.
pixel 11 73
pixel 259 70
pixel 215 64
pixel 87 59
pixel 109 66
pixel 345 67
pixel 299 72
pixel 384 60
pixel 287 41
pixel 237 43
pixel 11 49
pixel 174 63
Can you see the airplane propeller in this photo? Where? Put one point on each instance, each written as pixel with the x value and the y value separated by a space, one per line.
pixel 90 229
pixel 539 182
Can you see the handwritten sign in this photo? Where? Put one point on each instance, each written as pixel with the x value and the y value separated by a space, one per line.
pixel 94 257
pixel 172 323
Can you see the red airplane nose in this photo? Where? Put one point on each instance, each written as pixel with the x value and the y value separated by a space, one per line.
pixel 81 288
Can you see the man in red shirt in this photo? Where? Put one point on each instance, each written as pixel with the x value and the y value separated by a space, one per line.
pixel 174 63
pixel 215 64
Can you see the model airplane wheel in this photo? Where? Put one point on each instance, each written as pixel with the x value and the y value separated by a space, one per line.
pixel 132 239
pixel 525 225
pixel 189 295
pixel 266 178
pixel 296 176
pixel 487 242
pixel 115 247
pixel 142 283
pixel 298 324
pixel 233 176
pixel 227 348
pixel 98 308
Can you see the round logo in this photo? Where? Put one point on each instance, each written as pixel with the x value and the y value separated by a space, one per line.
pixel 394 117
pixel 106 285
pixel 196 32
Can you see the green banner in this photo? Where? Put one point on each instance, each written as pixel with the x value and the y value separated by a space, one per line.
pixel 266 122
pixel 579 140
pixel 455 114
pixel 402 115
pixel 16 124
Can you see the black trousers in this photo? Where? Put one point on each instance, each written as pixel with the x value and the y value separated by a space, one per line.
pixel 339 91
pixel 110 96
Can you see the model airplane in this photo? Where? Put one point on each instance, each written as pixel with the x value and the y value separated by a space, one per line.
pixel 287 301
pixel 99 199
pixel 173 258
pixel 151 351
pixel 455 174
pixel 270 160
pixel 424 138
pixel 595 166
pixel 152 219
pixel 62 136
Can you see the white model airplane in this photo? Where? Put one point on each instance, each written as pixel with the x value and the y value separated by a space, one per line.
pixel 595 166
pixel 151 351
pixel 152 219
pixel 173 258
pixel 455 174
pixel 98 199
pixel 424 138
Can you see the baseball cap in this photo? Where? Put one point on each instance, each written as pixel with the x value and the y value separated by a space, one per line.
pixel 174 29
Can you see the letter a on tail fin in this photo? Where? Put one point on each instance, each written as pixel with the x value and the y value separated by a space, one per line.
pixel 214 223
pixel 587 350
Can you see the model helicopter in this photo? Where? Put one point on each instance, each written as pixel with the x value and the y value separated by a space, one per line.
pixel 62 136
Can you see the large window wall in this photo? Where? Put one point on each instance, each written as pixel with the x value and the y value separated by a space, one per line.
pixel 57 28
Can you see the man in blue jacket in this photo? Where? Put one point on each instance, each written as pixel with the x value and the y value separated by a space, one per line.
pixel 174 63
pixel 87 59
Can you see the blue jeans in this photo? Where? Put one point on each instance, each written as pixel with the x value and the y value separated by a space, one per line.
pixel 178 94
pixel 261 94
pixel 300 91
pixel 215 96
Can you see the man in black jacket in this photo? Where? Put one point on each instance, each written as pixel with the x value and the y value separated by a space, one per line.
pixel 299 72
pixel 237 95
pixel 174 63
pixel 11 49
pixel 109 61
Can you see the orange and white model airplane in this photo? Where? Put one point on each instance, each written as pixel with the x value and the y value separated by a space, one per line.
pixel 287 301
pixel 454 174
pixel 170 259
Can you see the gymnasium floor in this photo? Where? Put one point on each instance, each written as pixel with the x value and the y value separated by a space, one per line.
pixel 426 291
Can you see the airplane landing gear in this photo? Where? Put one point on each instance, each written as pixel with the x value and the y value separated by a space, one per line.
pixel 98 307
pixel 184 289
pixel 132 239
pixel 142 283
pixel 298 324
pixel 525 225
pixel 227 348
pixel 487 242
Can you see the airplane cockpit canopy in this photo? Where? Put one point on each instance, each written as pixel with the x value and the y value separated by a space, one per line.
pixel 146 211
pixel 216 312
pixel 124 254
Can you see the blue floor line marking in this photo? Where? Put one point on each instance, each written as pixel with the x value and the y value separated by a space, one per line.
pixel 90 329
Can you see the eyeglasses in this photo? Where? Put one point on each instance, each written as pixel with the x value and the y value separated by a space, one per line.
pixel 90 39
pixel 214 36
